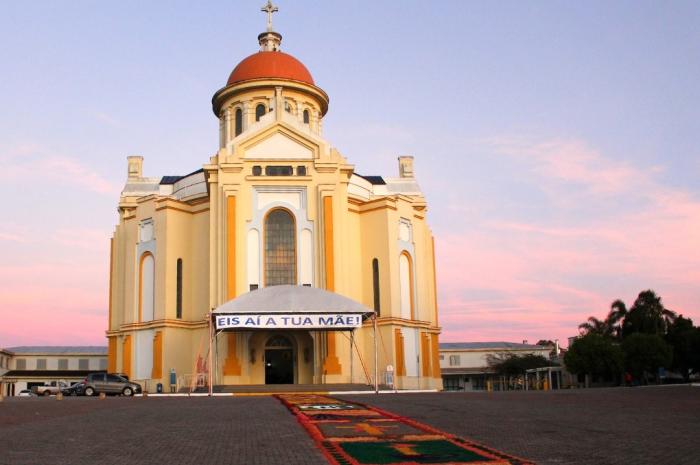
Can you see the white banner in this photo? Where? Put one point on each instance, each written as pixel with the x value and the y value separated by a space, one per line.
pixel 290 321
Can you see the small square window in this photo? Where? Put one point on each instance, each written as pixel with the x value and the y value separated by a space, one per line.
pixel 83 364
pixel 103 364
pixel 21 364
pixel 41 364
pixel 62 363
pixel 454 360
pixel 253 287
pixel 301 170
pixel 257 170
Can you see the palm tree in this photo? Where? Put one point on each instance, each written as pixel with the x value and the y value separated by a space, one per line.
pixel 617 314
pixel 595 326
pixel 648 315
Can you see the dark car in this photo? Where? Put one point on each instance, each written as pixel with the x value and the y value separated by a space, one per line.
pixel 108 383
pixel 75 389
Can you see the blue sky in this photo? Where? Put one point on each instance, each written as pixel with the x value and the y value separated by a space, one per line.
pixel 556 142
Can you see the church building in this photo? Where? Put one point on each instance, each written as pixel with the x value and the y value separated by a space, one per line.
pixel 270 262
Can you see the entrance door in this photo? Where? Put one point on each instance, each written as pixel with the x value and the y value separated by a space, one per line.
pixel 279 361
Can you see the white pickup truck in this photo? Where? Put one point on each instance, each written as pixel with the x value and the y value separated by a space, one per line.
pixel 50 389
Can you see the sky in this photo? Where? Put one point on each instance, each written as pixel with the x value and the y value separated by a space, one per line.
pixel 556 143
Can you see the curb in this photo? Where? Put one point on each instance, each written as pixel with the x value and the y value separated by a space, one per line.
pixel 265 394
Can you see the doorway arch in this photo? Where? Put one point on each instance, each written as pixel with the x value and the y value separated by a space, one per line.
pixel 279 360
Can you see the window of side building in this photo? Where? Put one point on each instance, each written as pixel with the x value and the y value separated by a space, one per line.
pixel 83 364
pixel 41 364
pixel 20 364
pixel 62 363
pixel 454 360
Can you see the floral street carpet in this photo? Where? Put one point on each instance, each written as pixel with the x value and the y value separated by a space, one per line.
pixel 350 433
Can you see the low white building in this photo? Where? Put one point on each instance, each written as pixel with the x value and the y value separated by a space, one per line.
pixel 27 366
pixel 5 357
pixel 465 365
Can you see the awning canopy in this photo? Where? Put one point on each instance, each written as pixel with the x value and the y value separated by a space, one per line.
pixel 290 307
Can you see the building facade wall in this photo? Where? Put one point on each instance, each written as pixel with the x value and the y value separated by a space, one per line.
pixel 219 236
pixel 470 369
pixel 20 370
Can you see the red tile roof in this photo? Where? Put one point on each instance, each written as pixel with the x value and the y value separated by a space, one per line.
pixel 277 65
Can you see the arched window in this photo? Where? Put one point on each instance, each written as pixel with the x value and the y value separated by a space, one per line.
pixel 306 116
pixel 280 248
pixel 375 285
pixel 146 290
pixel 239 121
pixel 260 111
pixel 279 342
pixel 178 295
pixel 406 280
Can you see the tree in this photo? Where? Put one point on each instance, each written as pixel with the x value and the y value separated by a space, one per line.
pixel 516 365
pixel 616 316
pixel 647 315
pixel 645 354
pixel 684 340
pixel 595 326
pixel 595 355
pixel 611 326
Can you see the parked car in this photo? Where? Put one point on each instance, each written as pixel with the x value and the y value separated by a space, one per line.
pixel 49 389
pixel 25 393
pixel 108 383
pixel 75 389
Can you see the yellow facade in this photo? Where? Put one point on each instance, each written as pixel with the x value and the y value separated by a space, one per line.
pixel 186 245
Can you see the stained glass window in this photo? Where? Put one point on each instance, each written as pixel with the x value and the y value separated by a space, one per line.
pixel 280 249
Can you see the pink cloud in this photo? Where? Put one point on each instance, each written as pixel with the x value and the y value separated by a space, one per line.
pixel 54 287
pixel 32 161
pixel 573 161
pixel 515 280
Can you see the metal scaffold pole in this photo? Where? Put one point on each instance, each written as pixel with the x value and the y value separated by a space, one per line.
pixel 211 356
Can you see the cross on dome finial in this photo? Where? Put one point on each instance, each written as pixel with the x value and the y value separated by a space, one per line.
pixel 269 40
pixel 269 8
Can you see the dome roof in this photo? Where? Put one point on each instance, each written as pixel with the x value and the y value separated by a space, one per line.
pixel 276 65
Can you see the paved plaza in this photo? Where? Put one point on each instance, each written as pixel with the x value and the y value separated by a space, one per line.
pixel 655 425
pixel 632 426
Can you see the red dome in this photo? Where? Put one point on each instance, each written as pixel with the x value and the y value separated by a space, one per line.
pixel 276 65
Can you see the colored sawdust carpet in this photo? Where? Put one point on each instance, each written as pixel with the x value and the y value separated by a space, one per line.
pixel 350 433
